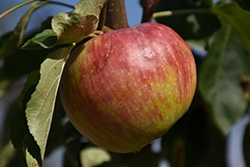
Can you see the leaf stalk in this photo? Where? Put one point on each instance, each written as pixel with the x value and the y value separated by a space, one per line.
pixel 179 12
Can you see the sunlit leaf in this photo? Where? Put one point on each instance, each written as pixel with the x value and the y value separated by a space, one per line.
pixel 220 76
pixel 16 38
pixel 57 129
pixel 94 156
pixel 40 107
pixel 78 24
pixel 238 18
pixel 6 153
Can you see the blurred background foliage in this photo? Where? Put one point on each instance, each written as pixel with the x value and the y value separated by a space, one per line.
pixel 202 137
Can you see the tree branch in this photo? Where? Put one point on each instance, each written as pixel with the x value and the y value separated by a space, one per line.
pixel 102 17
pixel 148 9
pixel 116 14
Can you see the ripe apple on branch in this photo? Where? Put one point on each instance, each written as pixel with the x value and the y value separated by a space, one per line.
pixel 125 88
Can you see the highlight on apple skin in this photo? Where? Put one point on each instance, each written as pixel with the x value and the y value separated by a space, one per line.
pixel 125 88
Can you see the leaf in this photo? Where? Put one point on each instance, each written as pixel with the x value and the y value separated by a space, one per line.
pixel 6 153
pixel 190 25
pixel 40 107
pixel 57 129
pixel 220 76
pixel 238 18
pixel 16 38
pixel 20 136
pixel 28 88
pixel 94 156
pixel 45 39
pixel 32 151
pixel 78 24
pixel 18 122
pixel 22 63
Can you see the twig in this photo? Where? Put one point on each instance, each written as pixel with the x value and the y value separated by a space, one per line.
pixel 178 12
pixel 116 14
pixel 148 9
pixel 30 1
pixel 16 7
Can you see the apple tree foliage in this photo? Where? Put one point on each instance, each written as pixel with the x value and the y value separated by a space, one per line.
pixel 218 34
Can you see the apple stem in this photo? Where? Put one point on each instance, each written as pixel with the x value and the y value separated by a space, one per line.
pixel 178 12
pixel 116 14
pixel 148 9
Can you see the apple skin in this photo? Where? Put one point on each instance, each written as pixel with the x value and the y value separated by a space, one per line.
pixel 125 88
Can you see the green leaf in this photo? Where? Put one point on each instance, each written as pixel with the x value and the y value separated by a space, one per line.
pixel 57 129
pixel 40 107
pixel 238 18
pixel 28 88
pixel 94 156
pixel 220 76
pixel 18 122
pixel 32 151
pixel 45 39
pixel 16 38
pixel 20 136
pixel 78 24
pixel 6 153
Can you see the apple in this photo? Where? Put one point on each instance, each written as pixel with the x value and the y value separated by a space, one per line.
pixel 125 88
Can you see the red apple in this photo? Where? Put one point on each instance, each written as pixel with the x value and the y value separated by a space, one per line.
pixel 125 88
